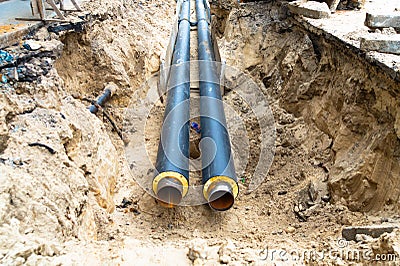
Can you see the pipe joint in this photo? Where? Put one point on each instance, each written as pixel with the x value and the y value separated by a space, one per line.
pixel 206 20
pixel 184 19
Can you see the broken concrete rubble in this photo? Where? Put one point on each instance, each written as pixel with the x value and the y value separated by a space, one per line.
pixel 381 43
pixel 8 74
pixel 310 9
pixel 351 4
pixel 32 45
pixel 350 232
pixel 386 31
pixel 29 61
pixel 383 20
pixel 333 4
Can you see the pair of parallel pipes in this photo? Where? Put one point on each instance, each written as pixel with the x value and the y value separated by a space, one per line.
pixel 171 182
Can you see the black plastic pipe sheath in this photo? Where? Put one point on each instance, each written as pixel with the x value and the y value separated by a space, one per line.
pixel 172 178
pixel 101 101
pixel 218 170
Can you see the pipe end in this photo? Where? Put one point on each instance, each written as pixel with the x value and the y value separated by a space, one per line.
pixel 170 188
pixel 221 197
pixel 169 192
pixel 220 192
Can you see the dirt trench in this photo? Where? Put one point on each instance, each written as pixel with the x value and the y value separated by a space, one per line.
pixel 342 111
pixel 336 152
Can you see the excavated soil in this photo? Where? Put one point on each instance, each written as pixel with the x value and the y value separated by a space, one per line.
pixel 74 201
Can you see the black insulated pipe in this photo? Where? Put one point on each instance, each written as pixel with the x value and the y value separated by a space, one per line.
pixel 172 178
pixel 219 177
pixel 109 90
pixel 101 101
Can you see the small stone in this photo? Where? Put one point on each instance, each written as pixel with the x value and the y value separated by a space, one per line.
pixel 46 250
pixel 249 258
pixel 326 198
pixel 154 63
pixel 212 253
pixel 344 220
pixel 290 230
pixel 42 34
pixel 384 219
pixel 55 46
pixel 363 238
pixel 32 45
pixel 279 232
pixel 19 261
pixel 225 259
pixel 156 237
pixel 360 238
pixel 125 203
pixel 389 31
pixel 197 249
pixel 227 249
pixel 10 74
pixel 198 262
pixel 28 231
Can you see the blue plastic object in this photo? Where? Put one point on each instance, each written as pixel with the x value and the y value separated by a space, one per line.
pixel 196 127
pixel 4 79
pixel 5 57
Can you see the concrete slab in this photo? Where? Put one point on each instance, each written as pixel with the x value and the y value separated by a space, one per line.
pixel 11 9
pixel 310 9
pixel 11 30
pixel 383 20
pixel 10 35
pixel 349 233
pixel 347 27
pixel 381 43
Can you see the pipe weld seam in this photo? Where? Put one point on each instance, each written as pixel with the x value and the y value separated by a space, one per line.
pixel 182 19
pixel 206 20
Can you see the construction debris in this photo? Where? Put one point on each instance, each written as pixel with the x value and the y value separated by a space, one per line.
pixel 333 4
pixel 8 74
pixel 38 7
pixel 5 58
pixel 32 45
pixel 381 43
pixel 78 26
pixel 350 232
pixel 383 20
pixel 310 9
pixel 351 4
